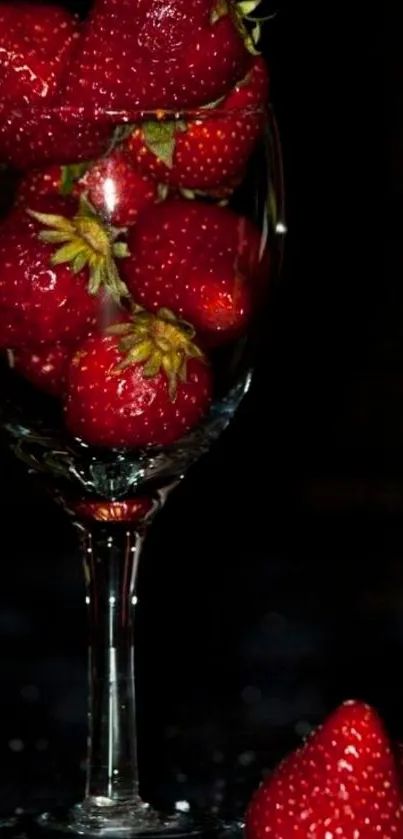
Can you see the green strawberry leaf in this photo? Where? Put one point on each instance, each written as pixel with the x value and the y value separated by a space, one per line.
pixel 67 181
pixel 71 174
pixel 219 10
pixel 246 7
pixel 163 190
pixel 240 11
pixel 159 137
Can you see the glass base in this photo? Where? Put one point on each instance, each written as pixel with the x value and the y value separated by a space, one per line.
pixel 137 820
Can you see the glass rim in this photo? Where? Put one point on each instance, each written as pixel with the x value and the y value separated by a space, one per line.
pixel 98 115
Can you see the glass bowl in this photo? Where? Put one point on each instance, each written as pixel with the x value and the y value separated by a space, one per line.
pixel 138 247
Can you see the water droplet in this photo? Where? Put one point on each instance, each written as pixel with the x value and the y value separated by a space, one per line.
pixel 182 806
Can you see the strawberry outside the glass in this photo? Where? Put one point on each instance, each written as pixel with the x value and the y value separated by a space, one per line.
pixel 343 782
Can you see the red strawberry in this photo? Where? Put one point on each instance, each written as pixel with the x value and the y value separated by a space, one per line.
pixel 47 293
pixel 209 152
pixel 199 260
pixel 50 180
pixel 45 367
pixel 117 190
pixel 36 42
pixel 341 783
pixel 30 138
pixel 144 384
pixel 152 54
pixel 114 188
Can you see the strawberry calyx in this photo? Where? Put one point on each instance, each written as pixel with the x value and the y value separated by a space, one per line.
pixel 159 342
pixel 160 138
pixel 86 243
pixel 70 174
pixel 241 12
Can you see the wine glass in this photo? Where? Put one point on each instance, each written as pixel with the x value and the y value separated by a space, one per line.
pixel 132 297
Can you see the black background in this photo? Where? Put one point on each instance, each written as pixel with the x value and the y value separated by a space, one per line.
pixel 272 584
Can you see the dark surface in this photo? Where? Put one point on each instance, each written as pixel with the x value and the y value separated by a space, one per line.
pixel 272 584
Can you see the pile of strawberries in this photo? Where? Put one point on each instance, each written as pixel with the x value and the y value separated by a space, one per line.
pixel 122 267
pixel 345 782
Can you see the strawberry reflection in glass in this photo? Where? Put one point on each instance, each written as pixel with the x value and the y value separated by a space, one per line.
pixel 135 263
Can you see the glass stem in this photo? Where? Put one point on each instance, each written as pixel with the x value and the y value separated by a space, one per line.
pixel 111 554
